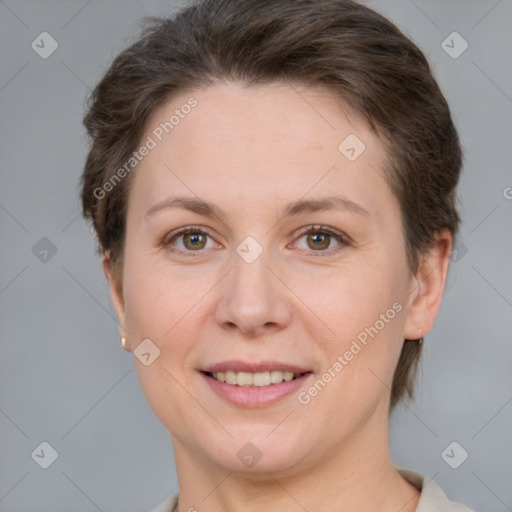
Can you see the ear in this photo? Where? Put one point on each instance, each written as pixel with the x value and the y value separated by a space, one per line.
pixel 116 294
pixel 427 287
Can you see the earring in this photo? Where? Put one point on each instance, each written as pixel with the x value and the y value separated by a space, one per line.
pixel 421 338
pixel 123 342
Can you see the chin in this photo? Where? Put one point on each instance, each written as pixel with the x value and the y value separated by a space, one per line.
pixel 260 448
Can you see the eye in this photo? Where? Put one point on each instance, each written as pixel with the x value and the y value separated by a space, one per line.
pixel 320 238
pixel 193 239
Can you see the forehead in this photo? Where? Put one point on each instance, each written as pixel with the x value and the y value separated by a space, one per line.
pixel 277 142
pixel 298 115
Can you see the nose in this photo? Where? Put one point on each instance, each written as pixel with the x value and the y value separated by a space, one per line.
pixel 253 300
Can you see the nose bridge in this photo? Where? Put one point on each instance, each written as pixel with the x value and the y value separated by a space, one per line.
pixel 250 275
pixel 253 299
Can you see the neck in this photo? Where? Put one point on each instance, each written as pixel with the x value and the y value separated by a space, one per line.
pixel 358 475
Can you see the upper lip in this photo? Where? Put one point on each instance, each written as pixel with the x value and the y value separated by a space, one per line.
pixel 264 366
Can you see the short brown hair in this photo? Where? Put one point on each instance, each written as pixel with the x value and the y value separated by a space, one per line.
pixel 360 55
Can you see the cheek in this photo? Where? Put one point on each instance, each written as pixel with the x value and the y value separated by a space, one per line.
pixel 360 315
pixel 159 307
pixel 347 299
pixel 155 299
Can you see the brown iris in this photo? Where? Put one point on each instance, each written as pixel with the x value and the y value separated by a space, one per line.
pixel 321 241
pixel 196 240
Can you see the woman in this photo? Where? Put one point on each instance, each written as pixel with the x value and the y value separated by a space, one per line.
pixel 273 189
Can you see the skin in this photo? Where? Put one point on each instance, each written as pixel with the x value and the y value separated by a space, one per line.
pixel 250 151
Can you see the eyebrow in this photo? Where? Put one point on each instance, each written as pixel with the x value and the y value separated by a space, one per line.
pixel 201 207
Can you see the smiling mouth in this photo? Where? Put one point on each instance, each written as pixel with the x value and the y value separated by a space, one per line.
pixel 258 379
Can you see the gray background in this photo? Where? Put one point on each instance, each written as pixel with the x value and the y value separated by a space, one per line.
pixel 64 378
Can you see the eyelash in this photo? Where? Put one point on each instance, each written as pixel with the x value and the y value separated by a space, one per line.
pixel 317 229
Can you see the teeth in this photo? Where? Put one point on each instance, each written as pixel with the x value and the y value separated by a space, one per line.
pixel 244 379
pixel 287 376
pixel 230 377
pixel 259 379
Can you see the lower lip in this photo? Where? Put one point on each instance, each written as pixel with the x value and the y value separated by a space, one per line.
pixel 253 396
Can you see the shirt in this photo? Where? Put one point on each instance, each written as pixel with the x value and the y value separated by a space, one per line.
pixel 432 498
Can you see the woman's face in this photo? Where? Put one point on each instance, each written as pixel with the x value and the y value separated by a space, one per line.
pixel 248 289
